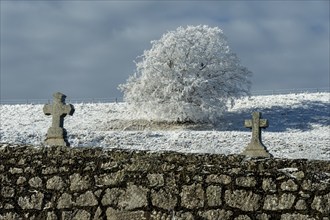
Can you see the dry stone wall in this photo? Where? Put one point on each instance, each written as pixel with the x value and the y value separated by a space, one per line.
pixel 95 184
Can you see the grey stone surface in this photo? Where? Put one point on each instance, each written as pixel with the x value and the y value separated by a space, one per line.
pixel 56 134
pixel 134 197
pixel 65 201
pixel 31 202
pixel 213 195
pixel 67 215
pixel 81 215
pixel 217 214
pixel 269 185
pixel 246 181
pixel 279 202
pixel 322 203
pixel 263 216
pixel 301 205
pixel 113 214
pixel 21 180
pixel 98 214
pixel 289 185
pixel 223 179
pixel 7 192
pixel 156 179
pixel 15 170
pixel 289 216
pixel 51 216
pixel 55 183
pixel 94 183
pixel 109 179
pixel 164 199
pixel 192 196
pixel 256 148
pixel 86 199
pixel 9 216
pixel 245 200
pixel 79 183
pixel 242 217
pixel 111 196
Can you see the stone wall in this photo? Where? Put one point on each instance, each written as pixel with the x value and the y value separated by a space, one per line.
pixel 92 183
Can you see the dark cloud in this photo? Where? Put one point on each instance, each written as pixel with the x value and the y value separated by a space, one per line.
pixel 85 49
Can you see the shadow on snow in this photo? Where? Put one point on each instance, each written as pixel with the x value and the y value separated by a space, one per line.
pixel 281 118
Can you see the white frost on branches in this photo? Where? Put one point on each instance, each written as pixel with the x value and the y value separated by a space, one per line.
pixel 189 75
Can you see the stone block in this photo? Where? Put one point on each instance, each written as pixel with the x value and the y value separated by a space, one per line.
pixel 289 216
pixel 177 215
pixel 134 197
pixel 301 205
pixel 98 214
pixel 31 202
pixel 111 196
pixel 322 204
pixel 113 214
pixel 109 179
pixel 269 185
pixel 289 185
pixel 242 199
pixel 7 192
pixel 67 215
pixel 81 215
pixel 10 216
pixel 21 180
pixel 263 216
pixel 159 215
pixel 8 206
pixel 216 214
pixel 155 180
pixel 183 216
pixel 213 195
pixel 55 183
pixel 65 201
pixel 50 170
pixel 36 182
pixel 214 178
pixel 15 170
pixel 246 181
pixel 51 216
pixel 164 199
pixel 242 217
pixel 299 175
pixel 79 183
pixel 279 202
pixel 192 196
pixel 86 199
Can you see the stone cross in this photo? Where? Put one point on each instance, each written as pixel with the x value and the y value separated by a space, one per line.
pixel 56 134
pixel 256 147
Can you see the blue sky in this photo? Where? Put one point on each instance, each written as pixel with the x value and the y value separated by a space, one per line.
pixel 85 49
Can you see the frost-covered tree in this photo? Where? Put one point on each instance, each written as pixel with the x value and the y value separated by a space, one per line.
pixel 189 75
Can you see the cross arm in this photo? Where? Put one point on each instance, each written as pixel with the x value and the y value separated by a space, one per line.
pixel 263 123
pixel 47 109
pixel 68 109
pixel 248 123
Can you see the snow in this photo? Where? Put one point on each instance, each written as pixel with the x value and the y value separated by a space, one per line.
pixel 299 127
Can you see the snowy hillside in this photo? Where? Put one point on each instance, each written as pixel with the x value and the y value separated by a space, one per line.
pixel 299 127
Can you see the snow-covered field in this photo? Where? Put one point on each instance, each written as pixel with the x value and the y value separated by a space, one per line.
pixel 299 127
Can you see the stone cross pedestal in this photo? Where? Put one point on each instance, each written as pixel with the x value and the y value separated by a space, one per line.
pixel 56 134
pixel 256 147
